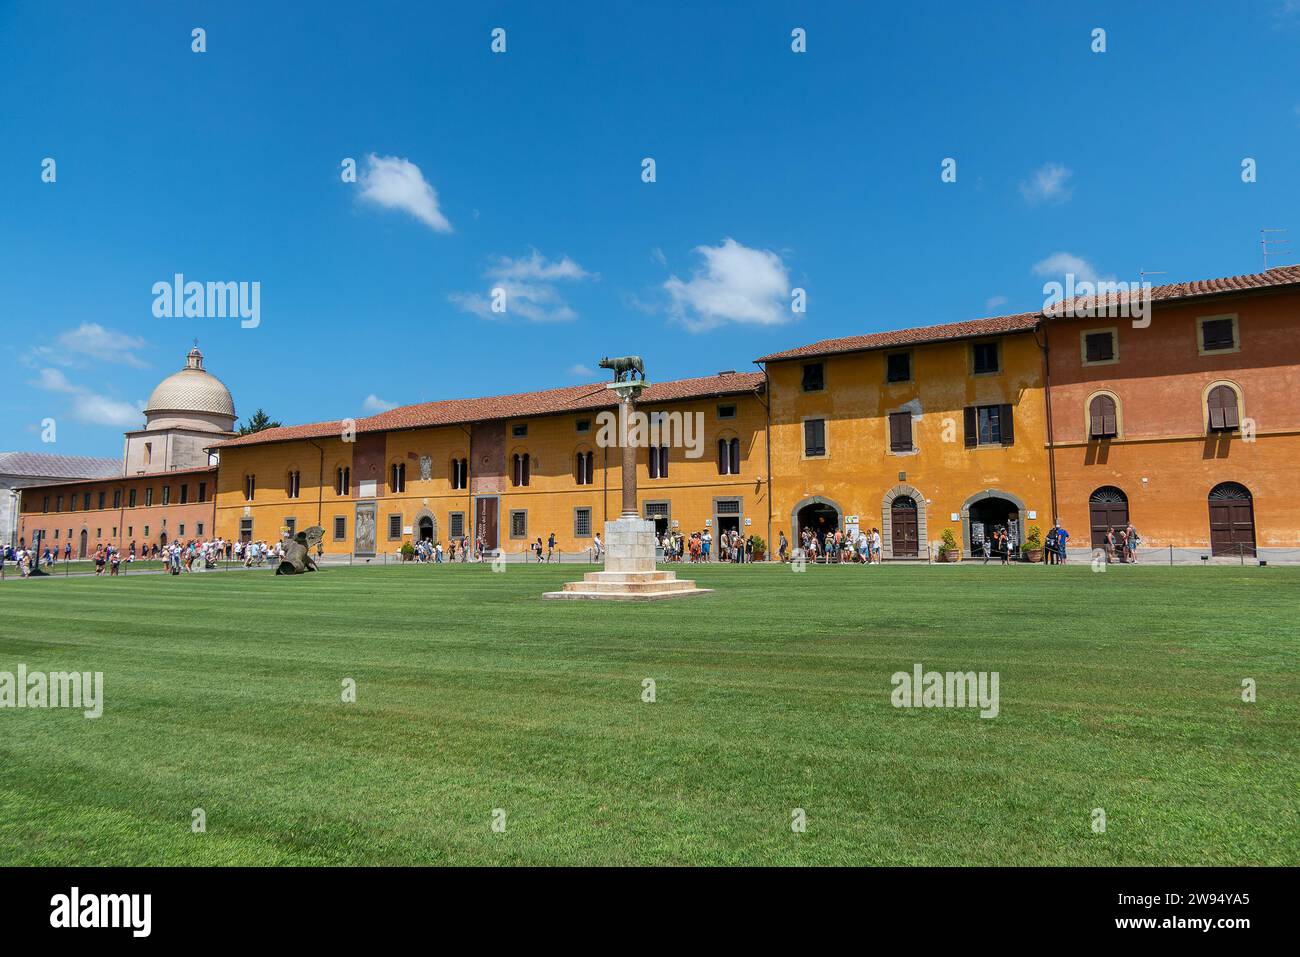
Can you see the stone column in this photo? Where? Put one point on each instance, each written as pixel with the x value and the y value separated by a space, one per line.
pixel 626 408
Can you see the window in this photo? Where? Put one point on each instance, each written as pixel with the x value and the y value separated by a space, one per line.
pixel 146 531
pixel 900 431
pixel 148 452
pixel 582 523
pixel 340 528
pixel 521 469
pixel 582 426
pixel 203 492
pixel 198 528
pixel 250 487
pixel 148 497
pixel 814 377
pixel 1099 347
pixel 584 468
pixel 1217 334
pixel 342 480
pixel 72 502
pixel 726 411
pixel 167 494
pixel 117 498
pixel 294 485
pixel 180 529
pixel 898 367
pixel 518 523
pixel 985 358
pixel 394 527
pixel 658 461
pixel 397 477
pixel 185 493
pixel 101 502
pixel 58 503
pixel 460 473
pixel 989 425
pixel 290 524
pixel 130 499
pixel 814 437
pixel 456 524
pixel 1222 407
pixel 519 431
pixel 245 530
pixel 728 456
pixel 45 504
pixel 1103 418
pixel 85 504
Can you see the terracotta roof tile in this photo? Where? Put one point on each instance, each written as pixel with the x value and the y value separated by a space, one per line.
pixel 574 398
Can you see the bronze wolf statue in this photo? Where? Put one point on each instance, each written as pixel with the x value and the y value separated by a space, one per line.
pixel 629 366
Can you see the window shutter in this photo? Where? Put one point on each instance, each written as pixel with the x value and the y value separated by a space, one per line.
pixel 652 461
pixel 734 448
pixel 722 456
pixel 900 432
pixel 972 434
pixel 1005 423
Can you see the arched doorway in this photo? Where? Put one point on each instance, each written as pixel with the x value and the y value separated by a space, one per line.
pixel 162 539
pixel 1232 520
pixel 818 515
pixel 426 529
pixel 83 543
pixel 1107 508
pixel 986 511
pixel 904 529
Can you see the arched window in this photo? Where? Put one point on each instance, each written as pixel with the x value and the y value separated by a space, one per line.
pixel 521 469
pixel 397 477
pixel 729 456
pixel 657 459
pixel 583 468
pixel 1221 404
pixel 294 484
pixel 1103 418
pixel 733 454
pixel 342 480
pixel 250 487
pixel 460 473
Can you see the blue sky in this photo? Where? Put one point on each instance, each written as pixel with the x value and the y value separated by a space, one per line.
pixel 523 171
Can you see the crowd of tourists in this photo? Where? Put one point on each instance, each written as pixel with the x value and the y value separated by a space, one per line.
pixel 698 547
pixel 176 557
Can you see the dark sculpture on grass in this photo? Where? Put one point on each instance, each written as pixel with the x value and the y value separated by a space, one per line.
pixel 297 552
pixel 630 367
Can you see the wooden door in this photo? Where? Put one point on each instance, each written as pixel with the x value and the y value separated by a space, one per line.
pixel 1232 527
pixel 1104 515
pixel 903 528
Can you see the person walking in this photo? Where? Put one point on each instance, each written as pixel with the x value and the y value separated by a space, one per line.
pixel 1131 543
pixel 550 547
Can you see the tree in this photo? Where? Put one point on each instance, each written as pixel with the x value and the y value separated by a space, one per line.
pixel 257 422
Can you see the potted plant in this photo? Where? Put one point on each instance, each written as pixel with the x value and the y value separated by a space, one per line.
pixel 760 548
pixel 1032 549
pixel 949 551
pixel 408 552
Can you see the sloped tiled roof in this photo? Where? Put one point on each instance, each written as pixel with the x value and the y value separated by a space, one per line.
pixel 1023 322
pixel 44 465
pixel 574 398
pixel 894 339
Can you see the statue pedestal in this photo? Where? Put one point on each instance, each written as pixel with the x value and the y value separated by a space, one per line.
pixel 630 573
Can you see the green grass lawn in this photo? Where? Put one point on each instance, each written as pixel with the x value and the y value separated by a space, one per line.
pixel 1119 691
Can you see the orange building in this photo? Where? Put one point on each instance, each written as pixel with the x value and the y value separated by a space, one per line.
pixel 1185 423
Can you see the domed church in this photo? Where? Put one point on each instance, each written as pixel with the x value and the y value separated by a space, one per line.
pixel 186 413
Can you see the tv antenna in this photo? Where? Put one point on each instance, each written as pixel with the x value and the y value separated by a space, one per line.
pixel 1143 273
pixel 1272 247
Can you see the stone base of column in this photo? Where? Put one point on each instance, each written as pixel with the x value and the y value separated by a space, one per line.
pixel 630 573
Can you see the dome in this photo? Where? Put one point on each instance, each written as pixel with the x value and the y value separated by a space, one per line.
pixel 192 390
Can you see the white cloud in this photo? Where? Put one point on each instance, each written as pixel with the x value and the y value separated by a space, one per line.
pixel 581 372
pixel 1047 185
pixel 92 341
pixel 658 256
pixel 737 284
pixel 88 406
pixel 528 284
pixel 1058 265
pixel 396 183
pixel 995 302
pixel 372 403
